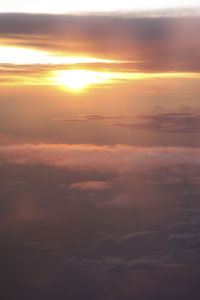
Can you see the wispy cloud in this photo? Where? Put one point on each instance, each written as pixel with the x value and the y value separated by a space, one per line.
pixel 121 265
pixel 168 122
pixel 91 117
pixel 165 122
pixel 90 186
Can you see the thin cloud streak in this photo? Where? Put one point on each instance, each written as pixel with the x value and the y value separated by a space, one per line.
pixel 91 117
pixel 165 122
pixel 90 186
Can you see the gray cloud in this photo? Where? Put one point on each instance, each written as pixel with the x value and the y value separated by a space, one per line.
pixel 173 248
pixel 131 237
pixel 165 122
pixel 184 240
pixel 119 265
pixel 169 122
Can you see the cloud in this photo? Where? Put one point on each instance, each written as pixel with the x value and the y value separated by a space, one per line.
pixel 90 185
pixel 118 200
pixel 150 44
pixel 166 248
pixel 168 122
pixel 120 265
pixel 136 235
pixel 137 265
pixel 184 240
pixel 131 237
pixel 119 158
pixel 91 117
pixel 165 122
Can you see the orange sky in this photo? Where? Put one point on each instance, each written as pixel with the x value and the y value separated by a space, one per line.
pixel 110 49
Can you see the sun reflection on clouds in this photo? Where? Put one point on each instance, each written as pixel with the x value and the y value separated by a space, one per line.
pixel 78 79
pixel 28 66
pixel 20 56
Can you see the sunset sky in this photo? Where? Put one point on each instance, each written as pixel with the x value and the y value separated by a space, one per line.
pixel 100 150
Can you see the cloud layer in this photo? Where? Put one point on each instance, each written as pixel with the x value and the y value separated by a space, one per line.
pixel 149 44
pixel 119 158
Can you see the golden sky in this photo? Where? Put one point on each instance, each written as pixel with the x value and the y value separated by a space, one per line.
pixel 82 51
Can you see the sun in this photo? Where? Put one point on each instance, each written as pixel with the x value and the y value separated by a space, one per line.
pixel 79 79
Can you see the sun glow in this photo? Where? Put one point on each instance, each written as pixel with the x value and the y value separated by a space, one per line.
pixel 78 79
pixel 18 55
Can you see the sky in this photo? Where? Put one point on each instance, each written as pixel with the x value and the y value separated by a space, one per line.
pixel 60 6
pixel 99 150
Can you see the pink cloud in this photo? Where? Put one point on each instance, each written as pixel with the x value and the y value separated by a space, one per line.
pixel 89 185
pixel 119 158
